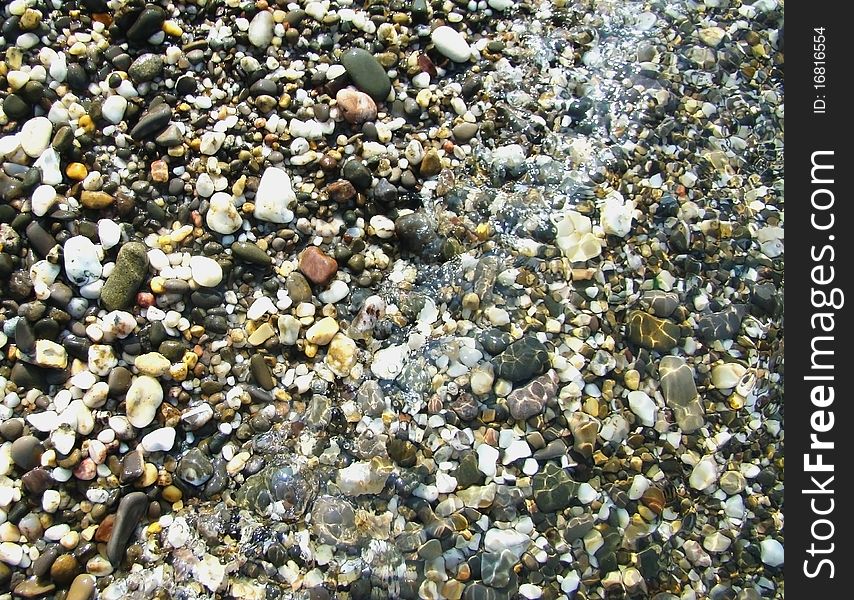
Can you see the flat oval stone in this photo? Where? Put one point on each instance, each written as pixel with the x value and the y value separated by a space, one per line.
pixel 251 253
pixel 651 332
pixel 680 393
pixel 366 73
pixel 523 359
pixel 131 509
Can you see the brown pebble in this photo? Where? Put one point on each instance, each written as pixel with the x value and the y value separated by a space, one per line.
pixel 64 569
pixel 82 588
pixel 318 267
pixel 95 200
pixel 356 107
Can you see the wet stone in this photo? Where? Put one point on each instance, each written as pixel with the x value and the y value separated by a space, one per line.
pixel 530 400
pixel 661 304
pixel 496 567
pixel 495 341
pixel 523 359
pixel 554 489
pixel 131 509
pixel 723 325
pixel 680 393
pixel 195 468
pixel 651 332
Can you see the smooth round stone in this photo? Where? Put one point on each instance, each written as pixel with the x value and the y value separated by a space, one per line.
pixel 553 489
pixel 355 106
pixel 205 271
pixel 261 29
pixel 159 440
pixel 149 22
pixel 35 136
pixel 195 468
pixel 643 407
pixel 522 360
pixel 109 233
pixel 530 400
pixel 274 197
pixel 651 332
pixel 43 199
pixel 26 452
pixel 82 588
pixel 366 73
pixel 222 216
pixel 142 400
pixel 146 68
pixel 680 393
pixel 82 265
pixel 727 376
pixel 704 474
pixel 451 43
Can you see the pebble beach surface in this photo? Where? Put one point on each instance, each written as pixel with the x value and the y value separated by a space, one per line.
pixel 406 299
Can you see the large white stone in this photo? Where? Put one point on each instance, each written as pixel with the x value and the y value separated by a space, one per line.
pixel 450 42
pixel 113 109
pixel 142 400
pixel 44 197
pixel 274 197
pixel 222 216
pixel 772 552
pixel 704 475
pixel 575 237
pixel 205 271
pixel 643 406
pixel 35 136
pixel 82 264
pixel 616 215
pixel 261 29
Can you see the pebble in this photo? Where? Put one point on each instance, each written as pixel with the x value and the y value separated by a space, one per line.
pixel 274 197
pixel 316 266
pixel 35 136
pixel 366 73
pixel 205 271
pixel 451 43
pixel 704 474
pixel 131 509
pixel 113 109
pixel 771 552
pixel 356 107
pixel 142 400
pixel 159 440
pixel 82 264
pixel 127 276
pixel 261 29
pixel 222 216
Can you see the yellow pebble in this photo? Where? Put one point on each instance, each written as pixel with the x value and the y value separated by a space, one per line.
pixel 310 350
pixel 76 171
pixel 171 494
pixel 172 28
pixel 179 371
pixel 157 285
pixel 86 123
pixel 155 528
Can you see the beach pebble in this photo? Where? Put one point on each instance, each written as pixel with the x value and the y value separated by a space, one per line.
pixel 205 271
pixel 274 197
pixel 451 43
pixel 35 136
pixel 222 216
pixel 142 400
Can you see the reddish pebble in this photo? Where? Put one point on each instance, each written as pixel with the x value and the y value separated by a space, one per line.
pixel 317 267
pixel 86 470
pixel 160 171
pixel 145 299
pixel 356 107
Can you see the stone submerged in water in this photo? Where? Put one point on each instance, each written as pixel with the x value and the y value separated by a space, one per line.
pixel 651 332
pixel 530 400
pixel 554 489
pixel 723 325
pixel 523 359
pixel 680 393
pixel 129 273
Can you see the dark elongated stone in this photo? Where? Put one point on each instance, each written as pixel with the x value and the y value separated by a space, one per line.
pixel 251 253
pixel 366 73
pixel 40 239
pixel 261 372
pixel 152 122
pixel 131 509
pixel 149 22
